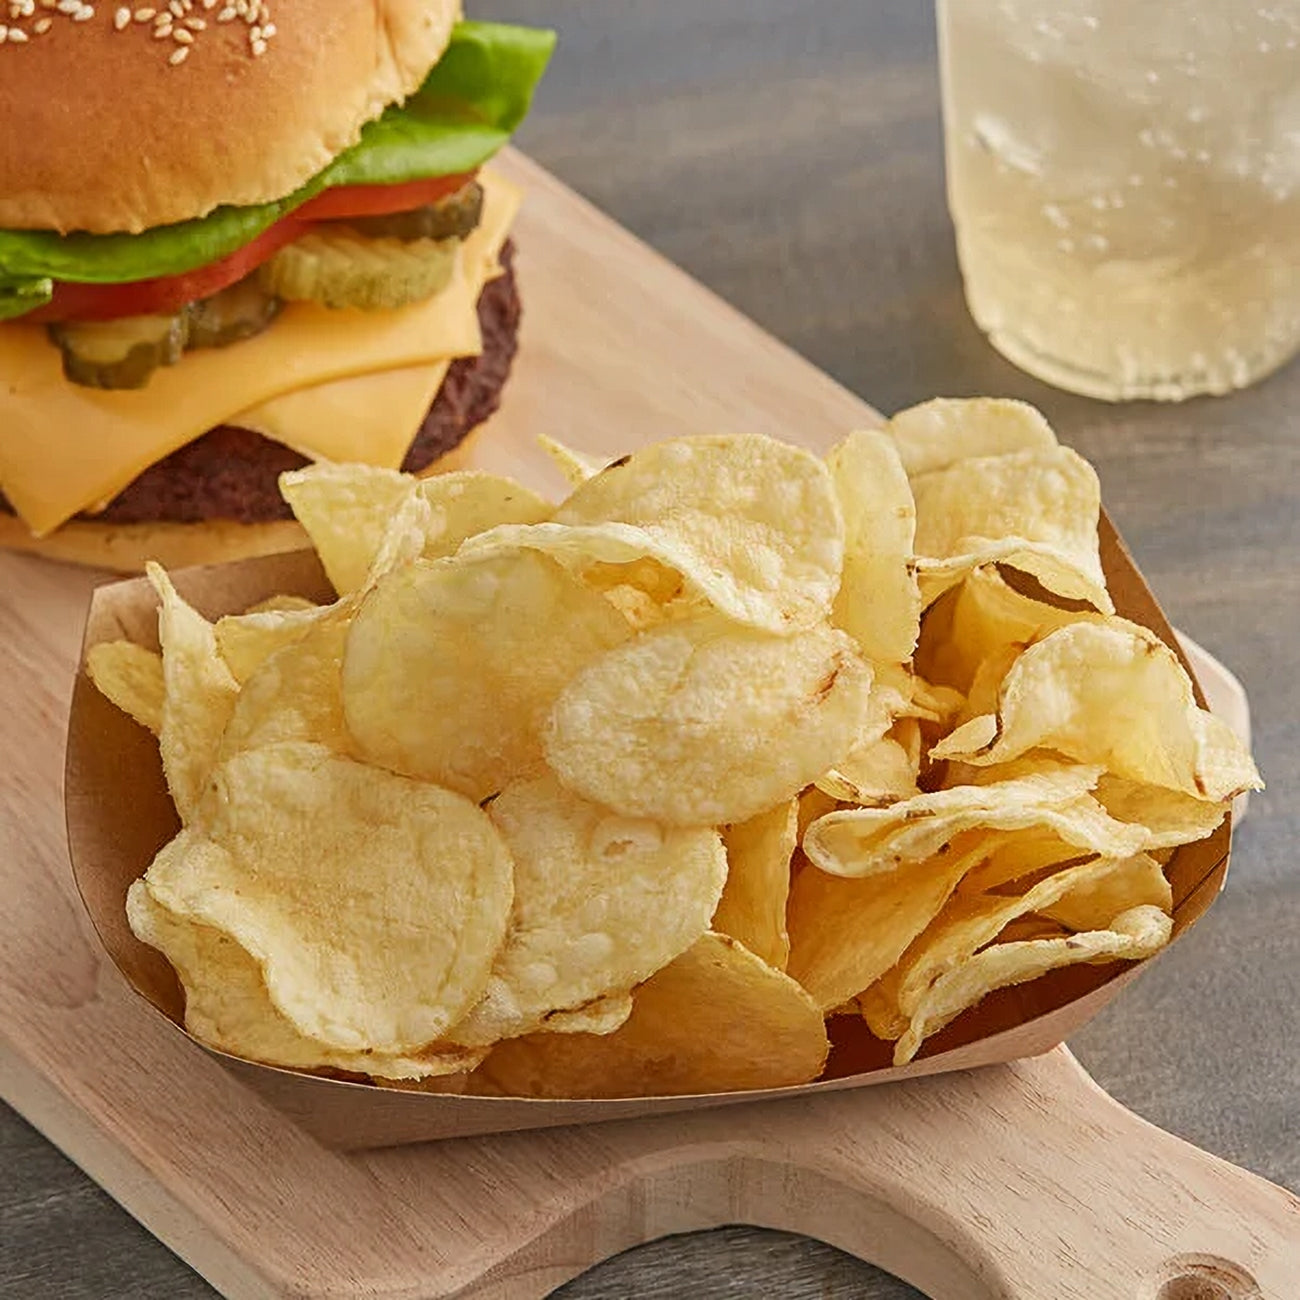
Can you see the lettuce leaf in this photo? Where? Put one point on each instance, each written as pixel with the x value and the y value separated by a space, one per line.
pixel 467 108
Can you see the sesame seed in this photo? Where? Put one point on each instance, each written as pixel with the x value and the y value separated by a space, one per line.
pixel 145 15
pixel 17 35
pixel 259 48
pixel 4 35
pixel 182 37
pixel 162 33
pixel 49 4
pixel 84 14
pixel 43 25
pixel 196 24
pixel 226 15
pixel 121 18
pixel 268 31
pixel 176 9
pixel 179 55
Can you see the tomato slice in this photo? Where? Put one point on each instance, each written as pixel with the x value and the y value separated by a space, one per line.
pixel 379 200
pixel 169 293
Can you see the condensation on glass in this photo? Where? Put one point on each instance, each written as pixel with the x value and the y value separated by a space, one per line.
pixel 1124 179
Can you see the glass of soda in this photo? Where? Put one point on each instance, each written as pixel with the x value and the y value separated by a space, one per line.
pixel 1124 179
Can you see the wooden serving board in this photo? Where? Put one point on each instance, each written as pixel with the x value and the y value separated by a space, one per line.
pixel 1022 1180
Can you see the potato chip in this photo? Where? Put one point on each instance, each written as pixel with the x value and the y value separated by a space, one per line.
pixel 879 1007
pixel 987 684
pixel 451 667
pixel 601 1016
pixel 199 695
pixel 469 502
pixel 645 591
pixel 715 1020
pixel 1134 935
pixel 1093 903
pixel 967 924
pixel 651 578
pixel 878 603
pixel 845 934
pixel 375 905
pixel 756 521
pixel 349 512
pixel 346 510
pixel 906 732
pixel 576 466
pixel 941 432
pixel 813 803
pixel 282 604
pixel 704 722
pixel 246 641
pixel 1171 817
pixel 297 693
pixel 857 842
pixel 586 882
pixel 932 703
pixel 1035 511
pixel 402 541
pixel 1111 694
pixel 752 907
pixel 984 615
pixel 131 677
pixel 873 775
pixel 228 1008
pixel 1034 927
pixel 1020 855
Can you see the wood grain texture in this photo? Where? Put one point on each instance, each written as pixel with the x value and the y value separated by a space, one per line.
pixel 788 154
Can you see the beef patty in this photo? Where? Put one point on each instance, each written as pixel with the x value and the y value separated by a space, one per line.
pixel 231 473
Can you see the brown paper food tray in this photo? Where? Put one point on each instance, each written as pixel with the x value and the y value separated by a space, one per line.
pixel 119 814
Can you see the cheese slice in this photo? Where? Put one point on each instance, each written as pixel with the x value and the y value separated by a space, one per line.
pixel 64 448
pixel 374 418
pixel 370 418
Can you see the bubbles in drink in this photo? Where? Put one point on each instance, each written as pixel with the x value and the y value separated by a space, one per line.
pixel 1126 188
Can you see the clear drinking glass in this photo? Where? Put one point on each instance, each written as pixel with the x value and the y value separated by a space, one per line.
pixel 1124 178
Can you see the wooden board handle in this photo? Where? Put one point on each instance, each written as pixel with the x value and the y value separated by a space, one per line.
pixel 1014 1182
pixel 1041 1185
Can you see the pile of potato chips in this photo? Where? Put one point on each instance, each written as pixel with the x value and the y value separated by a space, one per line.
pixel 626 796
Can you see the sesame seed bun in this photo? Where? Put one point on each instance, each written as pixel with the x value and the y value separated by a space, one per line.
pixel 116 120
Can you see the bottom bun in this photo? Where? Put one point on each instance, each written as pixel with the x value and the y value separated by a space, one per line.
pixel 125 548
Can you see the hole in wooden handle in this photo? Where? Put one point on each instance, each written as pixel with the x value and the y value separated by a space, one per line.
pixel 1206 1277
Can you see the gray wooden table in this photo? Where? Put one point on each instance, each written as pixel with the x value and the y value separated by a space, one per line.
pixel 787 153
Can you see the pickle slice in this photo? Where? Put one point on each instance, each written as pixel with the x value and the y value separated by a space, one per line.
pixel 450 218
pixel 239 312
pixel 340 268
pixel 120 353
pixel 123 353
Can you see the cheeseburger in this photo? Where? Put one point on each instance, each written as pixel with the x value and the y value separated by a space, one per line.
pixel 237 236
